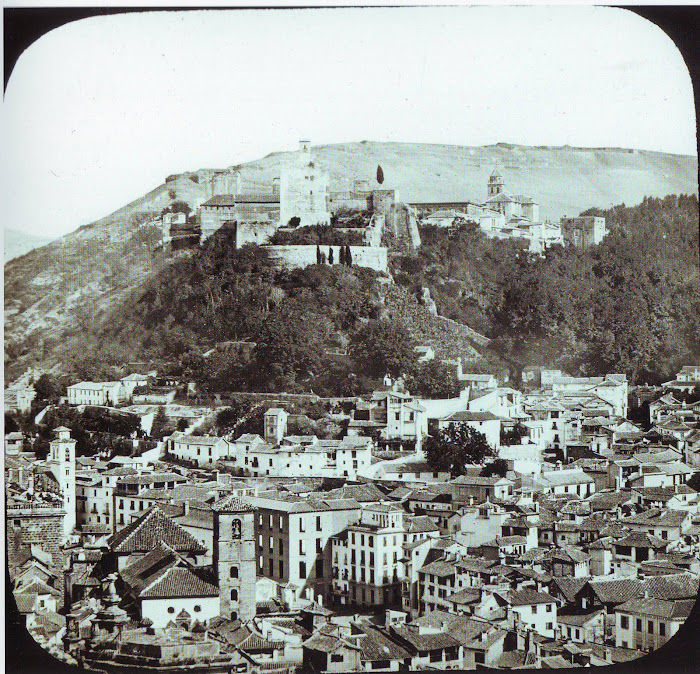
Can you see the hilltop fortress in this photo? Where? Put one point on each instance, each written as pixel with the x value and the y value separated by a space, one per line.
pixel 373 217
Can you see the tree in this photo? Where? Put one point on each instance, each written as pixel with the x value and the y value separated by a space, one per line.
pixel 434 379
pixel 182 425
pixel 348 257
pixel 318 254
pixel 455 447
pixel 380 174
pixel 341 255
pixel 513 436
pixel 496 467
pixel 160 423
pixel 330 255
pixel 382 347
pixel 48 387
pixel 294 221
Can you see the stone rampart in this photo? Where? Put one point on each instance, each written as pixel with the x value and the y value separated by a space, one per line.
pixel 374 257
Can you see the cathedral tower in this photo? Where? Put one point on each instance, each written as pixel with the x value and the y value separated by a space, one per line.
pixel 62 459
pixel 234 557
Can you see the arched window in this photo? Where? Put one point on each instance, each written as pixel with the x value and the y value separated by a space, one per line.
pixel 234 572
pixel 234 615
pixel 234 595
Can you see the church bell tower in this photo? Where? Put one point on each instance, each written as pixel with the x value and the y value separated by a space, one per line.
pixel 495 184
pixel 234 557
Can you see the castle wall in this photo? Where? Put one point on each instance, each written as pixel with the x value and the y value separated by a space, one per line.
pixel 254 232
pixel 374 257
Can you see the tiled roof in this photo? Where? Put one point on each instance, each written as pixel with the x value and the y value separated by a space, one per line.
pixel 526 597
pixel 569 554
pixel 577 619
pixel 439 568
pixel 426 642
pixel 569 586
pixel 639 539
pixel 375 645
pixel 616 591
pixel 233 504
pixel 471 416
pixel 676 586
pixel 661 517
pixel 152 528
pixel 660 608
pixel 178 581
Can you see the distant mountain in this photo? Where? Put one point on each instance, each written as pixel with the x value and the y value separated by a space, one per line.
pixel 51 291
pixel 19 243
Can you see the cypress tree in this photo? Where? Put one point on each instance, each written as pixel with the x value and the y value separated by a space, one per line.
pixel 348 257
pixel 318 254
pixel 330 254
pixel 341 255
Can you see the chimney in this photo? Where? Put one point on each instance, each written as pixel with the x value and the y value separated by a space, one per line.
pixel 187 507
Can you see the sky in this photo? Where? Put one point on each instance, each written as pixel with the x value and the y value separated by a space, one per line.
pixel 100 111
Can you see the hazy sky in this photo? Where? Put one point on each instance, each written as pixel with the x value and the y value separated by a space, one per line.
pixel 100 111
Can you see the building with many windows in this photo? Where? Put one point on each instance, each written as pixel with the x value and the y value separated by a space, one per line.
pixel 293 538
pixel 367 558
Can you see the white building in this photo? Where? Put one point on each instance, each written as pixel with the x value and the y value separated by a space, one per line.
pixel 367 567
pixel 96 393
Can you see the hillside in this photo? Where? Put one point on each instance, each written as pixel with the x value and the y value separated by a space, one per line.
pixel 53 293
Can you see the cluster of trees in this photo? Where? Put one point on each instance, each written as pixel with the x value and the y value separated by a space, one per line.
pixel 324 235
pixel 629 304
pixel 94 429
pixel 455 447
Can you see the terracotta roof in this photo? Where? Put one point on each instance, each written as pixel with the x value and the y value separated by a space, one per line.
pixel 616 591
pixel 233 504
pixel 671 610
pixel 425 642
pixel 375 645
pixel 569 586
pixel 152 528
pixel 178 581
pixel 527 596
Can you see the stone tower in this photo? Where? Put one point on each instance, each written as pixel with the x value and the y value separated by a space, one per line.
pixel 63 467
pixel 234 557
pixel 495 184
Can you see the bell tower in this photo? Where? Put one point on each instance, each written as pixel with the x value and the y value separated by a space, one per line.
pixel 63 465
pixel 495 184
pixel 234 557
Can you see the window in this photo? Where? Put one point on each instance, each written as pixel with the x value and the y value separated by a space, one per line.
pixel 548 608
pixel 234 615
pixel 301 524
pixel 662 629
pixel 319 547
pixel 171 609
pixel 302 548
pixel 639 624
pixel 234 572
pixel 302 569
pixel 281 569
pixel 336 657
pixel 548 626
pixel 234 595
pixel 318 523
pixel 650 625
pixel 624 622
pixel 281 546
pixel 197 608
